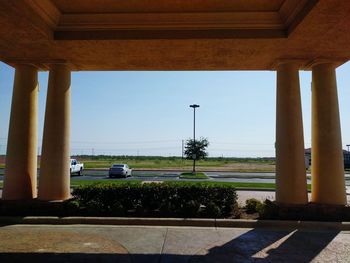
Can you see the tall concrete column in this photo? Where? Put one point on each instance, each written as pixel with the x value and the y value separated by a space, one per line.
pixel 327 166
pixel 54 181
pixel 291 185
pixel 21 156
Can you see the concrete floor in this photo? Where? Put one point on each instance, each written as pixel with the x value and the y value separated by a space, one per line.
pixel 95 243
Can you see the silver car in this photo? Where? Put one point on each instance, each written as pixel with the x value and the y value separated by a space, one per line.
pixel 119 170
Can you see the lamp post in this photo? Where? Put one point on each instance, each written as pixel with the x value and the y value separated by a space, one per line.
pixel 348 146
pixel 194 106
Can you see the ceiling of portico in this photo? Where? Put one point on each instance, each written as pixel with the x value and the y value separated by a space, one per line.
pixel 173 34
pixel 171 19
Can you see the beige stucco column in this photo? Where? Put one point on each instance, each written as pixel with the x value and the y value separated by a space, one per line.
pixel 291 185
pixel 327 166
pixel 21 156
pixel 54 180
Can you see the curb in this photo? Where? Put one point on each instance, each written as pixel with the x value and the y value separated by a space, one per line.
pixel 306 225
pixel 193 222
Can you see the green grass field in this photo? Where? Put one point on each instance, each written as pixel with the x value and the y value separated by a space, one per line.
pixel 174 163
pixel 152 162
pixel 228 164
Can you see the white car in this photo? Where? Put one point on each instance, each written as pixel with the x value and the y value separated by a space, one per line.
pixel 76 167
pixel 119 170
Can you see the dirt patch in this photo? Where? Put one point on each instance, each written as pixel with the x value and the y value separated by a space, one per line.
pixel 240 167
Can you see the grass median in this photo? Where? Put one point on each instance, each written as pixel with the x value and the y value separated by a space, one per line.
pixel 193 176
pixel 238 185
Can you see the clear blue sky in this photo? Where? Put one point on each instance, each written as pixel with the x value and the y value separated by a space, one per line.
pixel 147 113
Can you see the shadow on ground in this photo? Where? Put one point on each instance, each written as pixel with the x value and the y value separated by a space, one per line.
pixel 265 246
pixel 257 245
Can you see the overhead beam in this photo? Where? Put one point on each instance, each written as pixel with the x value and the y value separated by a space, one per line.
pixel 46 10
pixel 169 34
pixel 207 20
pixel 292 12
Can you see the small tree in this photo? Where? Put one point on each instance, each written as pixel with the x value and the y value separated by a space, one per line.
pixel 196 150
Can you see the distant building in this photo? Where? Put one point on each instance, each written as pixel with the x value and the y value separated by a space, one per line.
pixel 307 153
pixel 308 158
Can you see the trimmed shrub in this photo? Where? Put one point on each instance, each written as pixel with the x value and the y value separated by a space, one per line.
pixel 212 210
pixel 164 199
pixel 190 208
pixel 268 210
pixel 117 209
pixel 251 205
pixel 71 205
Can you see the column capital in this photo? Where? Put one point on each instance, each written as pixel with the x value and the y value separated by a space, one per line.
pixel 21 64
pixel 334 62
pixel 297 62
pixel 308 63
pixel 40 64
pixel 59 65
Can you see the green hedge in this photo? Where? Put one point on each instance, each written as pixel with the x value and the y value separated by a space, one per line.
pixel 158 199
pixel 252 205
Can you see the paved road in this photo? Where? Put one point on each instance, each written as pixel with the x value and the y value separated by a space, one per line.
pixel 174 175
pixel 176 178
pixel 92 174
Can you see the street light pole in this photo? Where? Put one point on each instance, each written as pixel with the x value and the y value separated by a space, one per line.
pixel 194 106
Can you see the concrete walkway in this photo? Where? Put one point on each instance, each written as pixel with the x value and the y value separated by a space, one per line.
pixel 95 243
pixel 243 195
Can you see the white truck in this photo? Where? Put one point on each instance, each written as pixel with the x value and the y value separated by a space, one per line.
pixel 76 167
